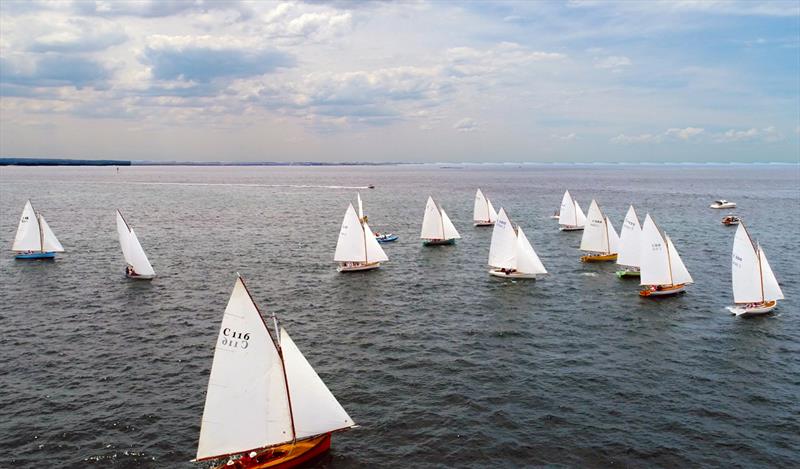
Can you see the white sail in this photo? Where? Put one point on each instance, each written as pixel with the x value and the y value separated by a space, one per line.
pixel 502 250
pixel 579 215
pixel 28 237
pixel 49 241
pixel 314 408
pixel 595 234
pixel 630 240
pixel 450 231
pixel 132 249
pixel 492 212
pixel 679 272
pixel 432 227
pixel 772 291
pixel 360 206
pixel 247 404
pixel 654 256
pixel 375 252
pixel 567 215
pixel 745 271
pixel 351 244
pixel 480 209
pixel 527 260
pixel 613 237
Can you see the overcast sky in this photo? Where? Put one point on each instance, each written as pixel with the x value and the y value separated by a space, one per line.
pixel 412 81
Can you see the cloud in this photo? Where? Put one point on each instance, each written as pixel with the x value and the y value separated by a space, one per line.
pixel 50 70
pixel 565 138
pixel 612 62
pixel 78 35
pixel 713 7
pixel 466 125
pixel 143 8
pixel 685 134
pixel 766 134
pixel 205 58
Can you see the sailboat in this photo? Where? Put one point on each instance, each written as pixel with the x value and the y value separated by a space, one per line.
pixel 138 267
pixel 755 288
pixel 599 238
pixel 570 217
pixel 34 238
pixel 483 213
pixel 357 248
pixel 380 237
pixel 630 249
pixel 265 405
pixel 437 229
pixel 510 253
pixel 662 269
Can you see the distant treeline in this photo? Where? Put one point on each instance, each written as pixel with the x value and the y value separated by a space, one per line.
pixel 60 162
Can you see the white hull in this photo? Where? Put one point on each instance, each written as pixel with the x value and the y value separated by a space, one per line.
pixel 721 206
pixel 358 267
pixel 140 277
pixel 555 217
pixel 570 228
pixel 501 274
pixel 754 311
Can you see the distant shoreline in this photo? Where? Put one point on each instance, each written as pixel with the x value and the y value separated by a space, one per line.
pixel 442 165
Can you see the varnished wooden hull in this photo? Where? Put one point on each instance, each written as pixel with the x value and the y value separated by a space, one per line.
pixel 599 257
pixel 285 456
pixel 665 290
pixel 358 268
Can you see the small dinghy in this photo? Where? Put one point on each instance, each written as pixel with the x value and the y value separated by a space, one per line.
pixel 511 254
pixel 662 270
pixel 599 238
pixel 755 288
pixel 730 220
pixel 386 237
pixel 571 217
pixel 357 248
pixel 483 213
pixel 437 229
pixel 630 245
pixel 722 203
pixel 555 215
pixel 34 238
pixel 265 405
pixel 137 265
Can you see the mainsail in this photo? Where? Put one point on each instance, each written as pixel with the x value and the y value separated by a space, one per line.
pixel 132 249
pixel 630 240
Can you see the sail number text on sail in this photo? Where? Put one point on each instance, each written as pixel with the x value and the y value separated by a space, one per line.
pixel 656 246
pixel 235 339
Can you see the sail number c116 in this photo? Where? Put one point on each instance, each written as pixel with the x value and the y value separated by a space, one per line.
pixel 235 339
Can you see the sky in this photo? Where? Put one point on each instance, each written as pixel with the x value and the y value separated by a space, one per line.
pixel 412 81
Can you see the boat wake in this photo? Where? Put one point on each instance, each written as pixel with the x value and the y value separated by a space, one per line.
pixel 589 274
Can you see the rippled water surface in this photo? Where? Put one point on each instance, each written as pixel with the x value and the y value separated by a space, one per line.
pixel 440 364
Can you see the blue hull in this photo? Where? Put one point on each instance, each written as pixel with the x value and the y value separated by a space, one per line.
pixel 36 255
pixel 387 239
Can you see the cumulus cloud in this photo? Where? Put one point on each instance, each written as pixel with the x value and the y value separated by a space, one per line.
pixel 466 125
pixel 565 138
pixel 612 62
pixel 766 134
pixel 52 70
pixel 685 134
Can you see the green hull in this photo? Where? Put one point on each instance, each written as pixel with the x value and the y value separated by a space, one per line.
pixel 628 273
pixel 438 242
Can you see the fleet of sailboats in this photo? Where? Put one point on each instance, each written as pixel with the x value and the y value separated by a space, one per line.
pixel 599 238
pixel 755 288
pixel 437 229
pixel 570 216
pixel 137 265
pixel 483 213
pixel 630 249
pixel 511 254
pixel 34 238
pixel 662 270
pixel 265 405
pixel 357 248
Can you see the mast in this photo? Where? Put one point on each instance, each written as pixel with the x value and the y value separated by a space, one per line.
pixel 608 236
pixel 669 261
pixel 41 233
pixel 441 219
pixel 277 344
pixel 366 255
pixel 757 249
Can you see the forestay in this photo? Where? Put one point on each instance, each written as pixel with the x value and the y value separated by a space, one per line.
pixel 247 405
pixel 315 410
pixel 630 240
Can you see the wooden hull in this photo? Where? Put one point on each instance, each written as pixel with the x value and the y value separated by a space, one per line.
pixel 483 223
pixel 730 223
pixel 140 277
pixel 285 456
pixel 665 290
pixel 438 242
pixel 35 256
pixel 570 228
pixel 758 310
pixel 358 267
pixel 599 257
pixel 514 275
pixel 628 273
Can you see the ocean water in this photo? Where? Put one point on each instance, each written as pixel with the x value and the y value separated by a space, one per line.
pixel 440 364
